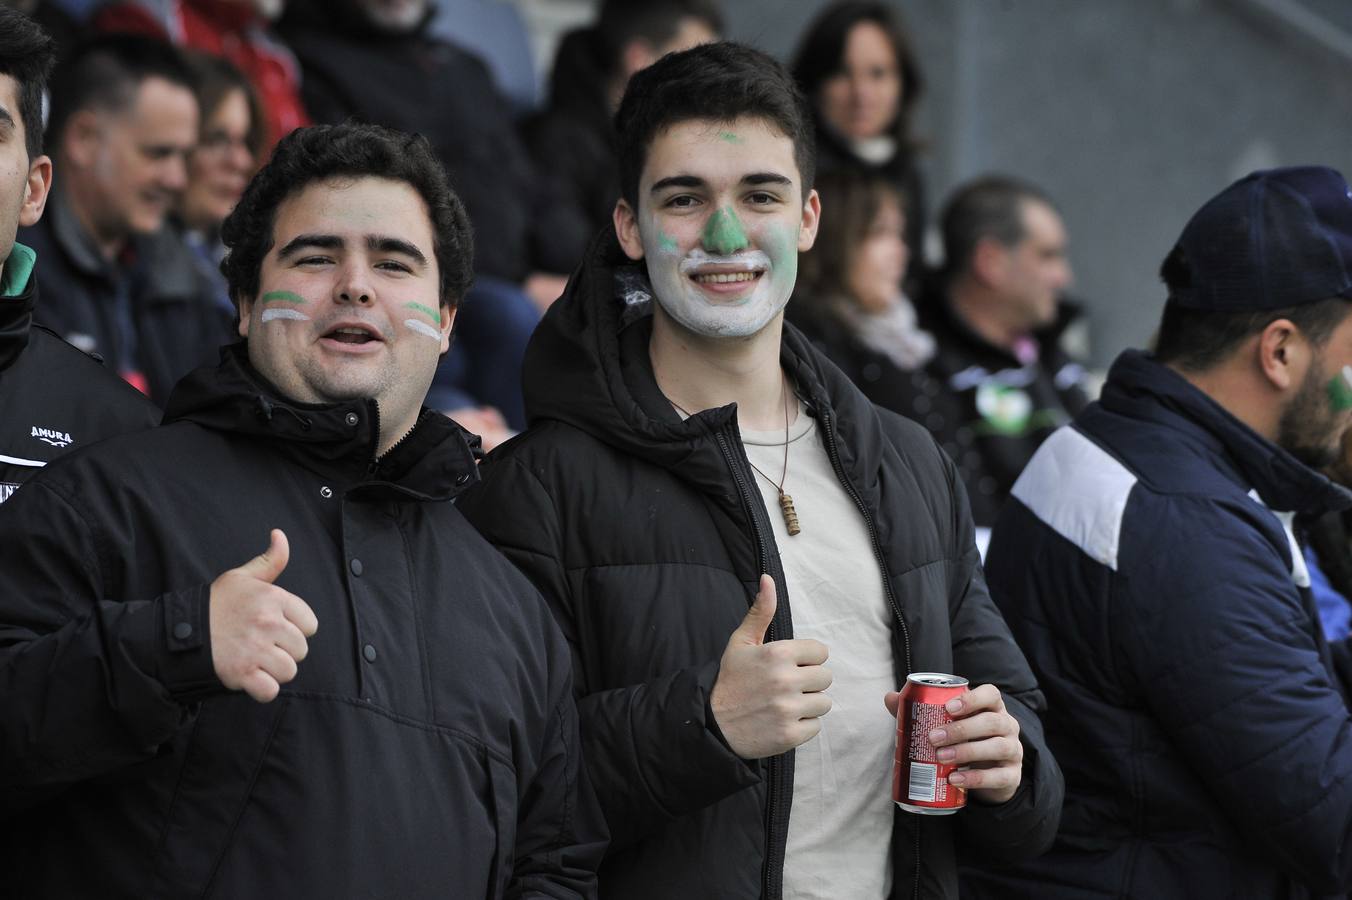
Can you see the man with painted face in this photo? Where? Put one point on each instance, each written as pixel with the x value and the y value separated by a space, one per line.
pixel 379 704
pixel 1148 566
pixel 690 456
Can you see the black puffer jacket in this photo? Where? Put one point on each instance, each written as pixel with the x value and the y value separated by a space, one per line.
pixel 427 747
pixel 646 535
pixel 53 398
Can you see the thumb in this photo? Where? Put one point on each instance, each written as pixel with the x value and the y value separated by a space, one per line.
pixel 752 630
pixel 270 563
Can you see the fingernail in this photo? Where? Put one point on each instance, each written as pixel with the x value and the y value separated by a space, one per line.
pixel 946 754
pixel 954 705
pixel 938 735
pixel 956 778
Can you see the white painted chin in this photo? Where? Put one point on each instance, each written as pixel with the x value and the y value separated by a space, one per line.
pixel 736 317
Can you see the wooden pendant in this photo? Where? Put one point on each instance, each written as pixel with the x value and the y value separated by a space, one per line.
pixel 790 514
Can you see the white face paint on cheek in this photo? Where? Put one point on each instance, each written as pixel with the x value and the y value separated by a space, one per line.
pixel 283 313
pixel 424 329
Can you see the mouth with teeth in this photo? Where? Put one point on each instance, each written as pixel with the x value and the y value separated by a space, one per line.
pixel 352 335
pixel 724 277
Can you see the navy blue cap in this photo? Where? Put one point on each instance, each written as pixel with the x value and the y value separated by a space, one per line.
pixel 1273 239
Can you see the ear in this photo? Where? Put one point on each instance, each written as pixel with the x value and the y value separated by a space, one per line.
pixel 626 229
pixel 82 138
pixel 447 321
pixel 35 192
pixel 812 215
pixel 989 260
pixel 245 314
pixel 1284 354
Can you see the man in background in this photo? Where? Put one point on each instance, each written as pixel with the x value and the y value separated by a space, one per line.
pixel 119 284
pixel 997 315
pixel 53 398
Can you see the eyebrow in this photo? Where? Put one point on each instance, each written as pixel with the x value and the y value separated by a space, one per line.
pixel 300 242
pixel 377 242
pixel 384 244
pixel 692 181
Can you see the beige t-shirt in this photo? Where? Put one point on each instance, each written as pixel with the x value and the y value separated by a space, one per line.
pixel 840 824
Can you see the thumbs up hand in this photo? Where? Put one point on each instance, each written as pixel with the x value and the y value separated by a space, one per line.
pixel 768 697
pixel 258 630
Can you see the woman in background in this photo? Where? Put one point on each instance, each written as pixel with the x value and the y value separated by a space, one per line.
pixel 856 67
pixel 849 299
pixel 229 144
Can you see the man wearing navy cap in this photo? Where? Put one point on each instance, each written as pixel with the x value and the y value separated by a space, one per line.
pixel 1148 567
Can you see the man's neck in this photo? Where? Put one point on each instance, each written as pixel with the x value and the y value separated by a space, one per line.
pixel 1242 396
pixel 109 243
pixel 697 372
pixel 976 307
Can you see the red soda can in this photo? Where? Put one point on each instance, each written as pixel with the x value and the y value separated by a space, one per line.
pixel 919 780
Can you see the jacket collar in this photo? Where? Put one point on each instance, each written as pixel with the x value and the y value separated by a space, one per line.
pixel 1142 388
pixel 16 309
pixel 435 461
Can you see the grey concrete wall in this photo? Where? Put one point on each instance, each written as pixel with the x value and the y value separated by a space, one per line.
pixel 1129 112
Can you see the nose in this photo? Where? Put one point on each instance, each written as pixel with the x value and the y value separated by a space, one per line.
pixel 174 175
pixel 723 233
pixel 354 287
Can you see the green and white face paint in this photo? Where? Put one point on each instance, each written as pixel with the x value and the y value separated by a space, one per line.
pixel 286 311
pixel 1340 390
pixel 730 285
pixel 419 326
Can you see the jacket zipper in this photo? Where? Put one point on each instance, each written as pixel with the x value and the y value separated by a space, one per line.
pixel 774 775
pixel 831 451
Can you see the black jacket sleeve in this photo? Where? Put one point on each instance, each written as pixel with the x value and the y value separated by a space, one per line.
pixel 985 653
pixel 90 685
pixel 652 750
pixel 561 834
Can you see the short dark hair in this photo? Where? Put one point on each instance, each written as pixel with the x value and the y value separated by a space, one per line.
pixel 821 55
pixel 26 55
pixel 352 150
pixel 718 82
pixel 851 199
pixel 1195 340
pixel 654 21
pixel 989 207
pixel 105 73
pixel 214 78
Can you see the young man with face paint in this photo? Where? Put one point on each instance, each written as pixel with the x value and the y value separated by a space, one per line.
pixel 1148 566
pixel 379 704
pixel 690 456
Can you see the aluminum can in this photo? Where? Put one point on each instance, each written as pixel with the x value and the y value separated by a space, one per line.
pixel 919 779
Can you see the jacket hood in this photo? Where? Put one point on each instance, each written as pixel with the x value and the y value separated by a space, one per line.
pixel 587 365
pixel 16 317
pixel 1141 388
pixel 435 461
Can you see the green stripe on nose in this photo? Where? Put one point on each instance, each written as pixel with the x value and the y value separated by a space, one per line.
pixel 723 233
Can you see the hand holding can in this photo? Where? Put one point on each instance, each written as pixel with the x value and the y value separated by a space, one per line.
pixel 919 778
pixel 979 746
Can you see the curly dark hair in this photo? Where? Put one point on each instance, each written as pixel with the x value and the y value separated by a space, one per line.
pixel 718 82
pixel 351 150
pixel 26 55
